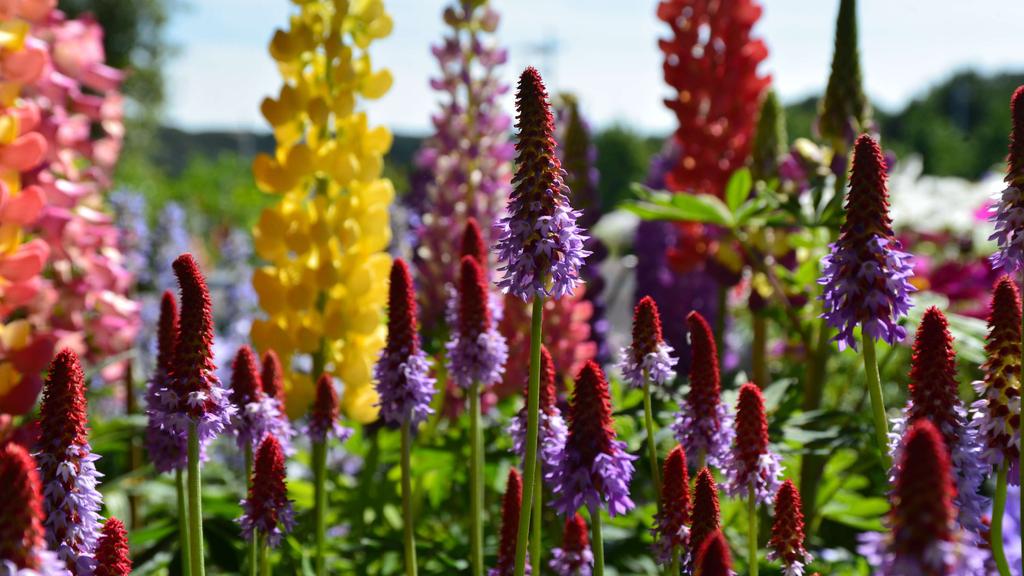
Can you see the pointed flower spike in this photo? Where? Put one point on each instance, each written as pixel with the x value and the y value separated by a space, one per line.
pixel 649 356
pixel 256 414
pixel 540 247
pixel 866 274
pixel 473 243
pixel 706 516
pixel 787 541
pixel 267 508
pixel 323 414
pixel 845 110
pixel 575 557
pixel 272 377
pixel 596 470
pixel 22 537
pixel 509 526
pixel 551 426
pixel 67 465
pixel 477 351
pixel 704 425
pixel 1006 214
pixel 112 557
pixel 245 380
pixel 671 522
pixel 167 333
pixel 770 139
pixel 753 464
pixel 165 446
pixel 713 558
pixel 402 374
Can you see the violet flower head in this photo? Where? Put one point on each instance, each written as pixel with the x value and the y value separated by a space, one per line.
pixel 510 505
pixel 649 356
pixel 596 470
pixel 551 425
pixel 753 466
pixel 402 374
pixel 323 414
pixel 703 424
pixel 67 466
pixel 540 247
pixel 167 448
pixel 23 550
pixel 574 557
pixel 477 351
pixel 1008 212
pixel 256 414
pixel 787 541
pixel 866 274
pixel 267 509
pixel 671 523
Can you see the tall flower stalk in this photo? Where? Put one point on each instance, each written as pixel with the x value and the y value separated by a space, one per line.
pixel 540 250
pixel 323 425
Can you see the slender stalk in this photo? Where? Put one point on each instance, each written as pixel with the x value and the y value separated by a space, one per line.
pixel 723 303
pixel 998 511
pixel 195 504
pixel 652 448
pixel 410 541
pixel 674 567
pixel 752 565
pixel 183 539
pixel 538 522
pixel 254 545
pixel 264 556
pixel 532 432
pixel 759 349
pixel 320 504
pixel 254 565
pixel 877 403
pixel 701 459
pixel 476 494
pixel 597 540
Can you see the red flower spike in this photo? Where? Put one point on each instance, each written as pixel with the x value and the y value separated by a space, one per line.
pixel 590 415
pixel 574 536
pixel 474 311
pixel 473 243
pixel 1015 159
pixel 324 411
pixel 112 557
pixel 548 393
pixel 751 426
pixel 867 203
pixel 167 332
pixel 787 541
pixel 21 508
pixel 537 164
pixel 1003 365
pixel 646 329
pixel 510 522
pixel 675 488
pixel 245 379
pixel 922 507
pixel 272 376
pixel 713 558
pixel 705 517
pixel 63 414
pixel 934 391
pixel 403 336
pixel 705 386
pixel 268 490
pixel 193 350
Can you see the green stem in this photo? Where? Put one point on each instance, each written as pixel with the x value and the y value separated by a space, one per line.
pixel 254 566
pixel 254 544
pixel 195 504
pixel 998 511
pixel 877 403
pixel 597 540
pixel 752 565
pixel 476 493
pixel 759 349
pixel 538 521
pixel 532 432
pixel 674 569
pixel 410 541
pixel 652 448
pixel 723 302
pixel 183 539
pixel 320 504
pixel 264 556
pixel 701 459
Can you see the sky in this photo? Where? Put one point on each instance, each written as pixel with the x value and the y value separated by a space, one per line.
pixel 606 53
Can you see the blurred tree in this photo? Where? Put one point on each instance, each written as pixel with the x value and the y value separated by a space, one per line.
pixel 622 159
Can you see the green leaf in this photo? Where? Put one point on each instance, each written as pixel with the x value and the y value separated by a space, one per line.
pixel 661 205
pixel 738 189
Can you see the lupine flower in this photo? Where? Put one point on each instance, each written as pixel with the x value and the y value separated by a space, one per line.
pixel 845 110
pixel 753 465
pixel 923 537
pixel 539 245
pixel 704 425
pixel 402 374
pixel 935 396
pixel 323 415
pixel 574 557
pixel 167 447
pixel 23 549
pixel 1008 213
pixel 648 356
pixel 194 394
pixel 268 510
pixel 713 558
pixel 509 526
pixel 112 557
pixel 787 541
pixel 997 411
pixel 68 466
pixel 256 414
pixel 866 275
pixel 705 517
pixel 671 522
pixel 476 351
pixel 596 466
pixel 551 425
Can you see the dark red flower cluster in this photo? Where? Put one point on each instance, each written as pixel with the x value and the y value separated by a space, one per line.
pixel 787 541
pixel 922 511
pixel 646 329
pixel 473 243
pixel 21 508
pixel 510 522
pixel 245 379
pixel 934 391
pixel 403 333
pixel 705 384
pixel 706 515
pixel 474 310
pixel 193 350
pixel 112 557
pixel 272 377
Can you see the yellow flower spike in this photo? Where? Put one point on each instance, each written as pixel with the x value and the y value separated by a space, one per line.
pixel 376 84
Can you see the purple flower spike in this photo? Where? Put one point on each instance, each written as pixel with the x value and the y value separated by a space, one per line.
pixel 477 352
pixel 866 275
pixel 649 356
pixel 753 465
pixel 166 447
pixel 1008 213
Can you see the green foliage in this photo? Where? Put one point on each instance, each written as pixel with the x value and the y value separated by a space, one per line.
pixel 622 159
